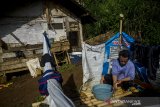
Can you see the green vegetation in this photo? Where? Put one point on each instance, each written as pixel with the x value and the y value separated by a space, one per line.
pixel 139 15
pixel 66 67
pixel 39 98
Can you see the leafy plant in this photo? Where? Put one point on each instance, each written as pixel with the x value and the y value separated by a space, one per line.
pixel 39 98
pixel 139 15
pixel 66 67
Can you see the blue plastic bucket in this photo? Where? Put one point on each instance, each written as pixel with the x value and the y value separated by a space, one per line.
pixel 102 91
pixel 75 57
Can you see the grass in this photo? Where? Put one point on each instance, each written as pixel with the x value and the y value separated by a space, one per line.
pixel 39 98
pixel 66 67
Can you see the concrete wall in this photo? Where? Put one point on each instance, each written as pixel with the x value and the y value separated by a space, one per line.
pixel 28 24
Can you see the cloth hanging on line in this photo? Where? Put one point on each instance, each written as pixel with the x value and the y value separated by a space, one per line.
pixel 51 81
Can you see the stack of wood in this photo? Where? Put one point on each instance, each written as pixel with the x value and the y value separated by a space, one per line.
pixel 87 99
pixel 15 57
pixel 60 47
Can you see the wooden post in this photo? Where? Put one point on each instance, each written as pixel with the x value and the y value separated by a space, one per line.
pixel 3 79
pixel 67 25
pixel 81 32
pixel 1 52
pixel 47 15
pixel 47 12
pixel 55 59
pixel 69 61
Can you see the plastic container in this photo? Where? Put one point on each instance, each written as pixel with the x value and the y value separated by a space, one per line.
pixel 75 57
pixel 102 91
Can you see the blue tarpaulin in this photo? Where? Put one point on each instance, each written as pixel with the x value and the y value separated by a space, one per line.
pixel 111 45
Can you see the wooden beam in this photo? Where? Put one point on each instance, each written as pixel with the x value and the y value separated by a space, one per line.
pixel 67 25
pixel 68 58
pixel 12 62
pixel 1 53
pixel 81 32
pixel 14 66
pixel 23 48
pixel 55 59
pixel 13 70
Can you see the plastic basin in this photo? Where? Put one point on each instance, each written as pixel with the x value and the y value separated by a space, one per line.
pixel 102 91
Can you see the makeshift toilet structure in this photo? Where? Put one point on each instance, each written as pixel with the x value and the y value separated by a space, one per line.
pixel 96 59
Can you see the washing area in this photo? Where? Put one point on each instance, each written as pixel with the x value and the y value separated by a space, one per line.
pixel 102 91
pixel 103 95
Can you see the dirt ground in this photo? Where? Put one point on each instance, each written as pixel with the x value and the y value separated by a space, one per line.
pixel 24 90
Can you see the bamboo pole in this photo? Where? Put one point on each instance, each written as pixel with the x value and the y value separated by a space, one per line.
pixel 120 30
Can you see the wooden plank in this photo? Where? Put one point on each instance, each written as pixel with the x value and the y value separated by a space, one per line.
pixel 14 62
pixel 9 55
pixel 60 46
pixel 27 57
pixel 1 52
pixel 97 102
pixel 104 104
pixel 87 102
pixel 34 56
pixel 123 95
pixel 13 54
pixel 14 66
pixel 93 100
pixel 38 51
pixel 28 52
pixel 55 59
pixel 13 70
pixel 69 61
pixel 23 48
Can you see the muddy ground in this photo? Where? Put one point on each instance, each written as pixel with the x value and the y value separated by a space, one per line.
pixel 24 90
